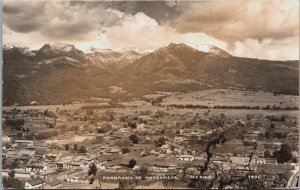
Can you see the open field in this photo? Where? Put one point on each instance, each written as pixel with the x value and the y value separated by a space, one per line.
pixel 225 97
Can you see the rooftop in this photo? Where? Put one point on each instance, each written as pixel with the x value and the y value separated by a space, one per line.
pixel 35 182
pixel 54 182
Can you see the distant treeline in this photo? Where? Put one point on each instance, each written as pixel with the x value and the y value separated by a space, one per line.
pixel 15 122
pixel 189 106
pixel 268 107
pixel 103 106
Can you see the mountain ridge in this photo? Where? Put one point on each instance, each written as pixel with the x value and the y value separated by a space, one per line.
pixel 65 74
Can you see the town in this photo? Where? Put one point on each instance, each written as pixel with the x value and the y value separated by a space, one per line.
pixel 159 94
pixel 151 143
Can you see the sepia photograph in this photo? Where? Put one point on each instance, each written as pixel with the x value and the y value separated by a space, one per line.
pixel 137 94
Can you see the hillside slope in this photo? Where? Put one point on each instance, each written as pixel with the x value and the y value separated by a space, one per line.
pixel 62 74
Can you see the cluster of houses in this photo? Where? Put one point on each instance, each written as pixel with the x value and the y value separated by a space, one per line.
pixel 42 165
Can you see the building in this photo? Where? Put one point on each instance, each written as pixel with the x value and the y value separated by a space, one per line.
pixel 5 172
pixel 22 174
pixel 49 175
pixel 166 149
pixel 272 161
pixel 178 139
pixel 28 143
pixel 6 139
pixel 141 127
pixel 36 167
pixel 24 159
pixel 29 153
pixel 35 184
pixel 53 184
pixel 114 150
pixel 185 157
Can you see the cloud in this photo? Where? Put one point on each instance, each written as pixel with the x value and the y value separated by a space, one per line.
pixel 233 21
pixel 161 11
pixel 142 33
pixel 282 49
pixel 22 18
pixel 259 29
pixel 58 20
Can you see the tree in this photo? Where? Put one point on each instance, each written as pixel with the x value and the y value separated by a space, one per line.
pixel 222 115
pixel 100 130
pixel 272 125
pixel 161 141
pixel 207 113
pixel 185 167
pixel 19 135
pixel 15 123
pixel 91 181
pixel 82 149
pixel 74 128
pixel 99 182
pixel 46 113
pixel 134 138
pixel 99 139
pixel 92 169
pixel 67 147
pixel 133 125
pixel 143 172
pixel 125 150
pixel 161 114
pixel 269 134
pixel 284 154
pixel 281 135
pixel 42 136
pixel 127 184
pixel 132 163
pixel 11 173
pixel 75 147
pixel 18 127
pixel 125 143
pixel 294 160
pixel 110 115
pixel 89 112
pixel 260 136
pixel 172 148
pixel 267 154
pixel 5 163
pixel 169 182
pixel 104 128
pixel 13 183
pixel 14 164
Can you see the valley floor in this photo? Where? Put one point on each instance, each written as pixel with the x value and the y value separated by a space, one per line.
pixel 237 134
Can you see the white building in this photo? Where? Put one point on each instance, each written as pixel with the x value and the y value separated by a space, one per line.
pixel 186 157
pixel 6 139
pixel 35 167
pixel 35 184
pixel 141 127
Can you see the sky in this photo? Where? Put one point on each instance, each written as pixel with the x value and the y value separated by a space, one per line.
pixel 265 29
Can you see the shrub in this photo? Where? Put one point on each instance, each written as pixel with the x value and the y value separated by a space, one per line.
pixel 132 163
pixel 134 138
pixel 125 150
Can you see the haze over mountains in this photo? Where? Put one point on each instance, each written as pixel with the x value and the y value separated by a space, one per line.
pixel 60 73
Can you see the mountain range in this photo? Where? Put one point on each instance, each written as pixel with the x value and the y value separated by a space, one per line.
pixel 60 73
